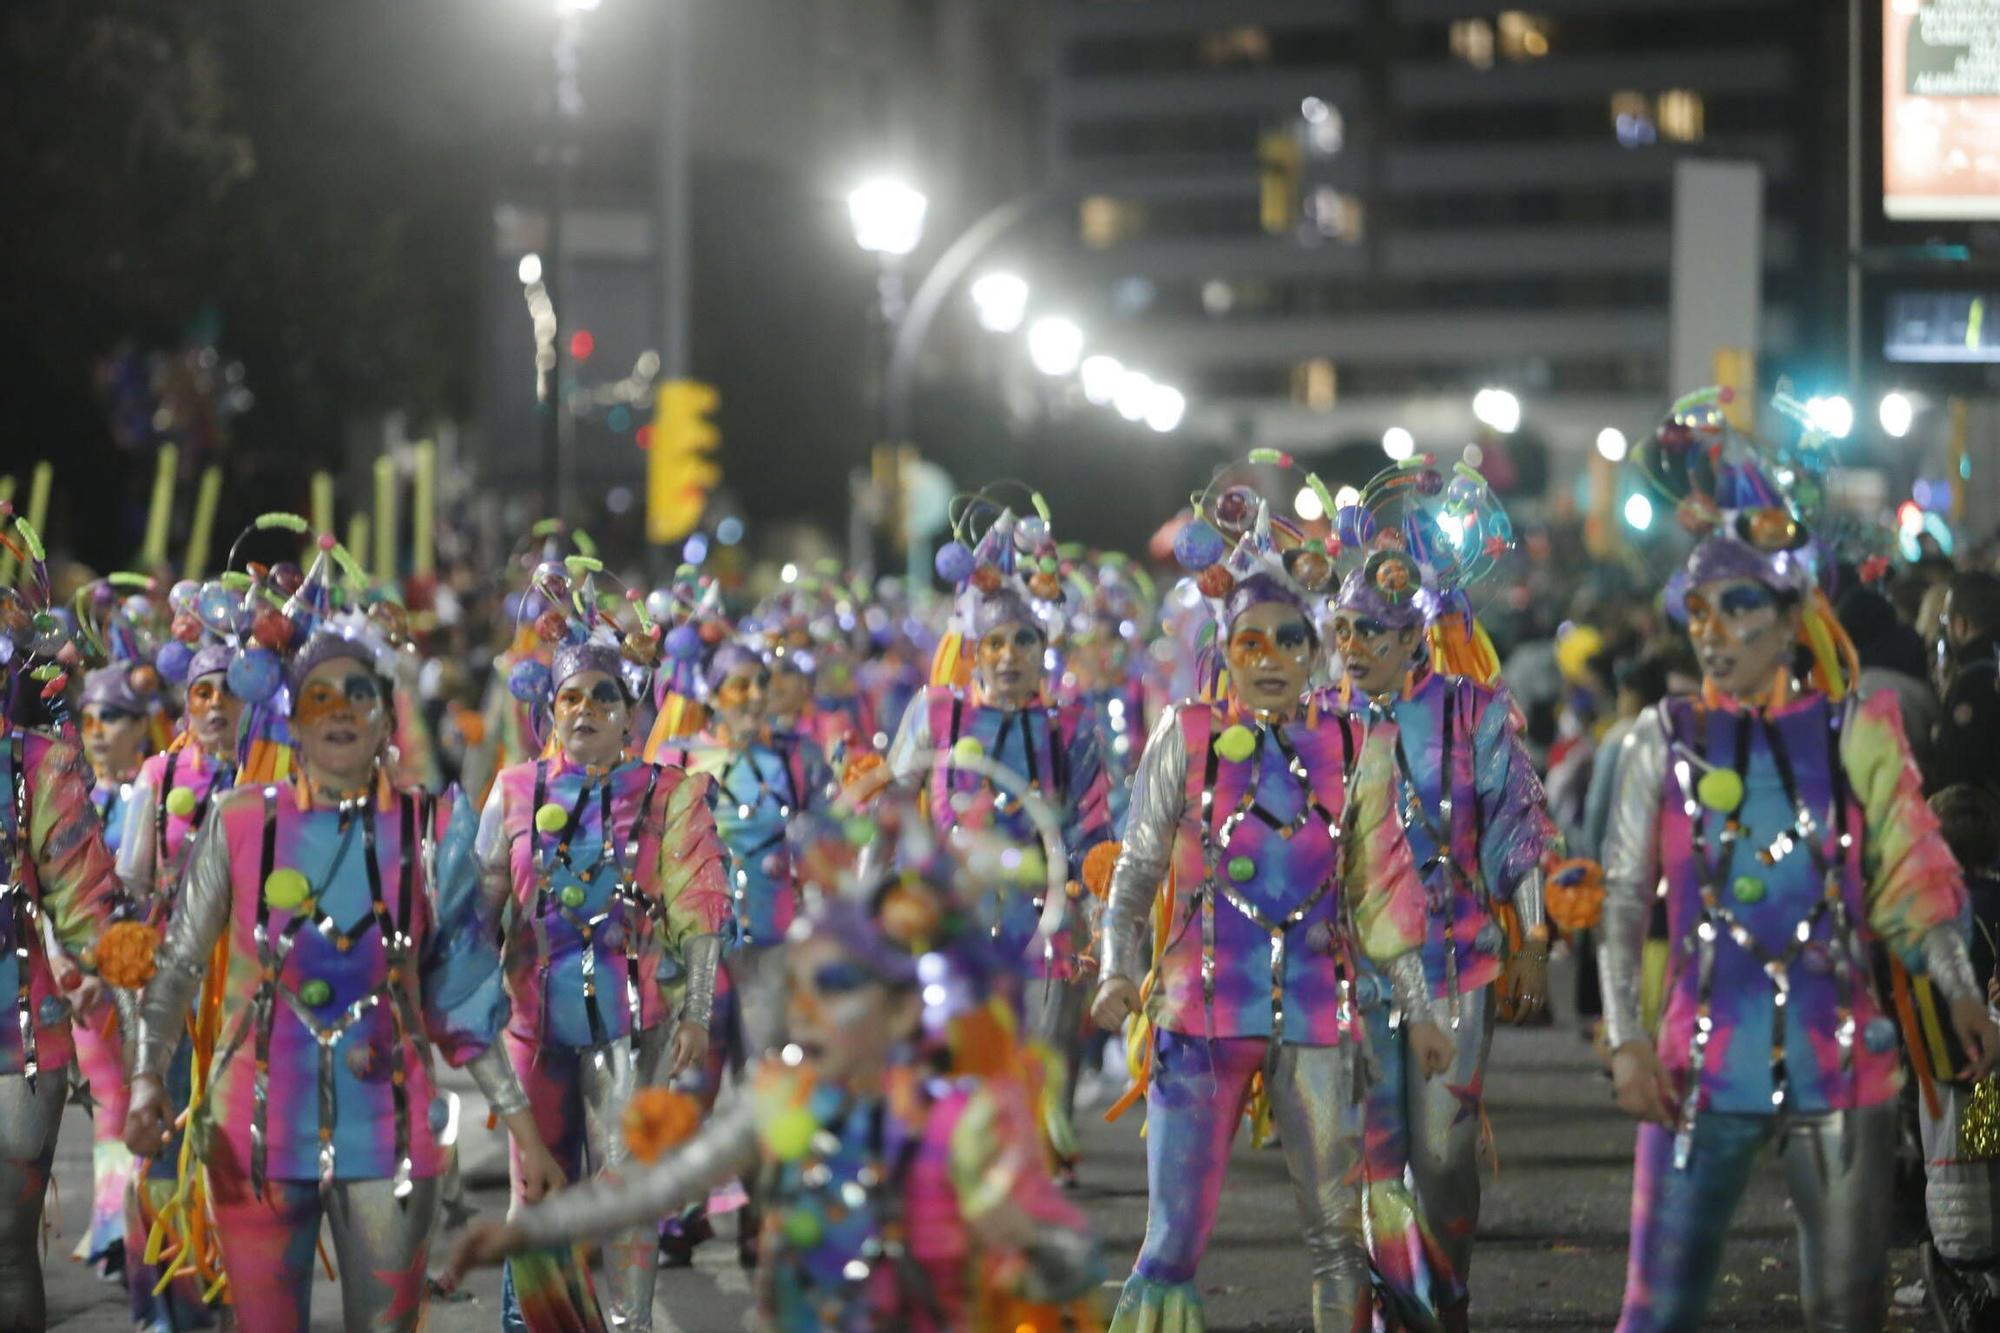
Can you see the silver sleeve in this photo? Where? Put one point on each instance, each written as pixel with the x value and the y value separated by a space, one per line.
pixel 197 923
pixel 1631 876
pixel 910 753
pixel 1412 989
pixel 493 1072
pixel 136 871
pixel 726 1146
pixel 1949 966
pixel 1159 796
pixel 494 852
pixel 703 955
pixel 1528 905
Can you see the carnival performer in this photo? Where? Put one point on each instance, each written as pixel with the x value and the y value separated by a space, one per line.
pixel 762 781
pixel 1471 806
pixel 1103 666
pixel 56 873
pixel 1263 844
pixel 353 948
pixel 892 1146
pixel 809 626
pixel 987 699
pixel 607 877
pixel 117 709
pixel 1786 823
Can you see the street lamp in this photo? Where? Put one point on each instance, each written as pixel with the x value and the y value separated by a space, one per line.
pixel 1398 443
pixel 1055 345
pixel 1498 409
pixel 1612 444
pixel 1898 414
pixel 1165 406
pixel 1001 300
pixel 1134 396
pixel 1101 376
pixel 888 217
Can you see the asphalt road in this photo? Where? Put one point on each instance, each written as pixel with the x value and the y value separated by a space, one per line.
pixel 1551 1253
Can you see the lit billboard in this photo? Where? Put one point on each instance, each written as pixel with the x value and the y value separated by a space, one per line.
pixel 1941 110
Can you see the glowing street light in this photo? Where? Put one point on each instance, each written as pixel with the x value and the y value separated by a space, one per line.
pixel 1001 300
pixel 1639 512
pixel 1398 443
pixel 1498 409
pixel 888 217
pixel 1898 414
pixel 530 270
pixel 1055 345
pixel 1101 376
pixel 1832 414
pixel 1134 396
pixel 1307 506
pixel 1346 497
pixel 1165 406
pixel 1611 444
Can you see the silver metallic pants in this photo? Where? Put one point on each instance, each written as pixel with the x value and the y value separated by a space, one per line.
pixel 578 1097
pixel 1052 1013
pixel 1961 1196
pixel 28 1125
pixel 757 989
pixel 1193 1108
pixel 380 1245
pixel 1837 1171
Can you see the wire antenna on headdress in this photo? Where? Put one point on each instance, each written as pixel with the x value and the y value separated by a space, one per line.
pixel 999 561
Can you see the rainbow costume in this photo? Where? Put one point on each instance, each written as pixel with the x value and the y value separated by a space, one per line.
pixel 1268 856
pixel 1791 841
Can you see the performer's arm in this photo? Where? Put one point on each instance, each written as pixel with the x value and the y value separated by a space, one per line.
pixel 1631 875
pixel 692 882
pixel 1159 796
pixel 610 1203
pixel 1382 875
pixel 73 869
pixel 199 919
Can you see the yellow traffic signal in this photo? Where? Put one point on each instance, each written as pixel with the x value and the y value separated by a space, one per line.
pixel 679 470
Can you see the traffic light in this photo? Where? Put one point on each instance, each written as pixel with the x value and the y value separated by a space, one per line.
pixel 679 469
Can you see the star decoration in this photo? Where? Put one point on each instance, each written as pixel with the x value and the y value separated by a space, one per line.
pixel 407 1283
pixel 1467 1095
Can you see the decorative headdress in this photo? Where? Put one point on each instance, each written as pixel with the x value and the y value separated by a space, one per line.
pixel 699 650
pixel 1004 567
pixel 35 649
pixel 1416 543
pixel 1241 553
pixel 117 632
pixel 1746 501
pixel 579 623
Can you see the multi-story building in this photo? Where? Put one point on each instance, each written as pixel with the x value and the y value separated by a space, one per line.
pixel 1328 218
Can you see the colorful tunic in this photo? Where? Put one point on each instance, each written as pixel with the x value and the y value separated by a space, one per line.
pixel 756 790
pixel 1120 718
pixel 592 930
pixel 1055 749
pixel 871 1220
pixel 1476 843
pixel 158 836
pixel 1270 854
pixel 56 869
pixel 1828 850
pixel 356 947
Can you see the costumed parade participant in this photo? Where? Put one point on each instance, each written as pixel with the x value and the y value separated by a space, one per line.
pixel 507 724
pixel 335 921
pixel 987 700
pixel 119 708
pixel 1103 666
pixel 1471 807
pixel 58 875
pixel 1263 844
pixel 1786 826
pixel 607 878
pixel 892 1145
pixel 809 626
pixel 762 781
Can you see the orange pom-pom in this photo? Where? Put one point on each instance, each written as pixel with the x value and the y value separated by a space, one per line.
pixel 657 1119
pixel 859 767
pixel 125 954
pixel 1574 894
pixel 1097 866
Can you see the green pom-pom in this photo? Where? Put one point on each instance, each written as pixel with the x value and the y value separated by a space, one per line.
pixel 572 896
pixel 1241 868
pixel 968 750
pixel 802 1230
pixel 180 802
pixel 1720 790
pixel 1748 889
pixel 1236 743
pixel 788 1134
pixel 316 992
pixel 551 818
pixel 286 890
pixel 860 831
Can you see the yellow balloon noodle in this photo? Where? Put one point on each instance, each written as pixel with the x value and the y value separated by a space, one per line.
pixel 154 550
pixel 423 509
pixel 195 562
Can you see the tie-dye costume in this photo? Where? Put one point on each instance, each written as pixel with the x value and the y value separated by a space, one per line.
pixel 1285 868
pixel 1120 717
pixel 870 1213
pixel 593 926
pixel 168 809
pixel 356 951
pixel 1772 1027
pixel 101 1062
pixel 54 870
pixel 1478 843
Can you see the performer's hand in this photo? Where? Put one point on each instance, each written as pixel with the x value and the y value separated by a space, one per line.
pixel 1431 1049
pixel 1976 1033
pixel 1117 999
pixel 87 995
pixel 1528 981
pixel 147 1117
pixel 1640 1084
pixel 485 1244
pixel 688 1048
pixel 540 1172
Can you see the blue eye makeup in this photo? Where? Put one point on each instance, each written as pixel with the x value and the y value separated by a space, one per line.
pixel 1743 598
pixel 1291 637
pixel 841 978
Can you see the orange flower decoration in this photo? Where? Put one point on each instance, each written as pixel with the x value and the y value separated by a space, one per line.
pixel 859 767
pixel 657 1119
pixel 1574 894
pixel 908 915
pixel 125 954
pixel 1097 866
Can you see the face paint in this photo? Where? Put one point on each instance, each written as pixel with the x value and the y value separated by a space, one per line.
pixel 359 694
pixel 601 698
pixel 735 690
pixel 203 696
pixel 1741 633
pixel 97 721
pixel 1008 661
pixel 1288 642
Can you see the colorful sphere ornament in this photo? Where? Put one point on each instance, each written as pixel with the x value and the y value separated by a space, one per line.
pixel 1720 790
pixel 180 802
pixel 1236 743
pixel 286 890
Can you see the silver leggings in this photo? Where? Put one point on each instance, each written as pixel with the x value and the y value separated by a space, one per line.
pixel 1053 1012
pixel 757 981
pixel 29 1122
pixel 380 1244
pixel 1961 1196
pixel 1444 1132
